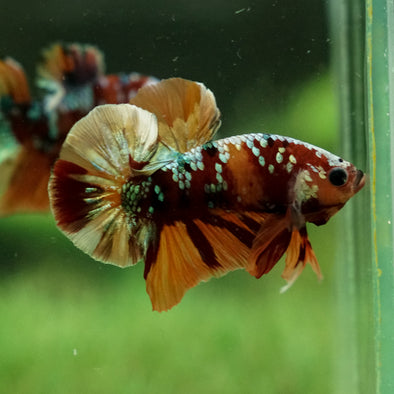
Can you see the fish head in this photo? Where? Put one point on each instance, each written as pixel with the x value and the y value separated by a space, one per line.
pixel 323 189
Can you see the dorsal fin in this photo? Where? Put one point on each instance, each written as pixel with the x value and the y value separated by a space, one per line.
pixel 186 112
pixel 97 158
pixel 76 62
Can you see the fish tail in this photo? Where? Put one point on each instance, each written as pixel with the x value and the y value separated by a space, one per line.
pixel 14 102
pixel 19 190
pixel 102 153
pixel 13 83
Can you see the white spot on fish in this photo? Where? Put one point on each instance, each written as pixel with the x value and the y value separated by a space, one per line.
pixel 292 159
pixel 256 151
pixel 271 169
pixel 223 158
pixel 322 175
pixel 307 176
pixel 282 149
pixel 90 189
pixel 261 161
pixel 263 142
pixel 289 167
pixel 249 143
pixel 279 157
pixel 200 165
pixel 218 168
pixel 235 140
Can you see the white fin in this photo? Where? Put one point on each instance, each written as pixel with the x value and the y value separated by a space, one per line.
pixel 97 159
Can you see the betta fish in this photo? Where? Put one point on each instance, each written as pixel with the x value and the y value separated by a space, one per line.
pixel 145 181
pixel 71 81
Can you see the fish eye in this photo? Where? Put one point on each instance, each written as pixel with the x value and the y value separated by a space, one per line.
pixel 338 176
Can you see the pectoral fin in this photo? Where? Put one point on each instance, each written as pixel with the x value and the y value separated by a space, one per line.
pixel 269 245
pixel 299 252
pixel 279 234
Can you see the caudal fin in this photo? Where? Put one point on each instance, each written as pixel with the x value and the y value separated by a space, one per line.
pixel 101 153
pixel 13 83
pixel 14 102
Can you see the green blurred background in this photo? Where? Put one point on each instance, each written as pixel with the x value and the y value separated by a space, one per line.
pixel 69 324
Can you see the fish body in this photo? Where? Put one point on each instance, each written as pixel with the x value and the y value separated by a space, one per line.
pixel 70 81
pixel 147 182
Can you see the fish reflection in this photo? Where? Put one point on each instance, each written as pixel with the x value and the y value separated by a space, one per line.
pixel 70 81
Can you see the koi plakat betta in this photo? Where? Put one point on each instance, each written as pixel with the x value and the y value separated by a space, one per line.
pixel 146 181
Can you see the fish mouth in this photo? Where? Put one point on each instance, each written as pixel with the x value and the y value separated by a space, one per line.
pixel 359 182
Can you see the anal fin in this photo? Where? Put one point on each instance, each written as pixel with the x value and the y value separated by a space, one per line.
pixel 269 245
pixel 195 250
pixel 177 267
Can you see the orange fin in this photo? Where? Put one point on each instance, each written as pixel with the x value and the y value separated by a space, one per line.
pixel 25 182
pixel 186 111
pixel 299 253
pixel 280 234
pixel 98 157
pixel 269 245
pixel 13 81
pixel 14 158
pixel 195 250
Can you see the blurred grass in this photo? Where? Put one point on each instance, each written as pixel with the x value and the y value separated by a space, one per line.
pixel 62 332
pixel 69 324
